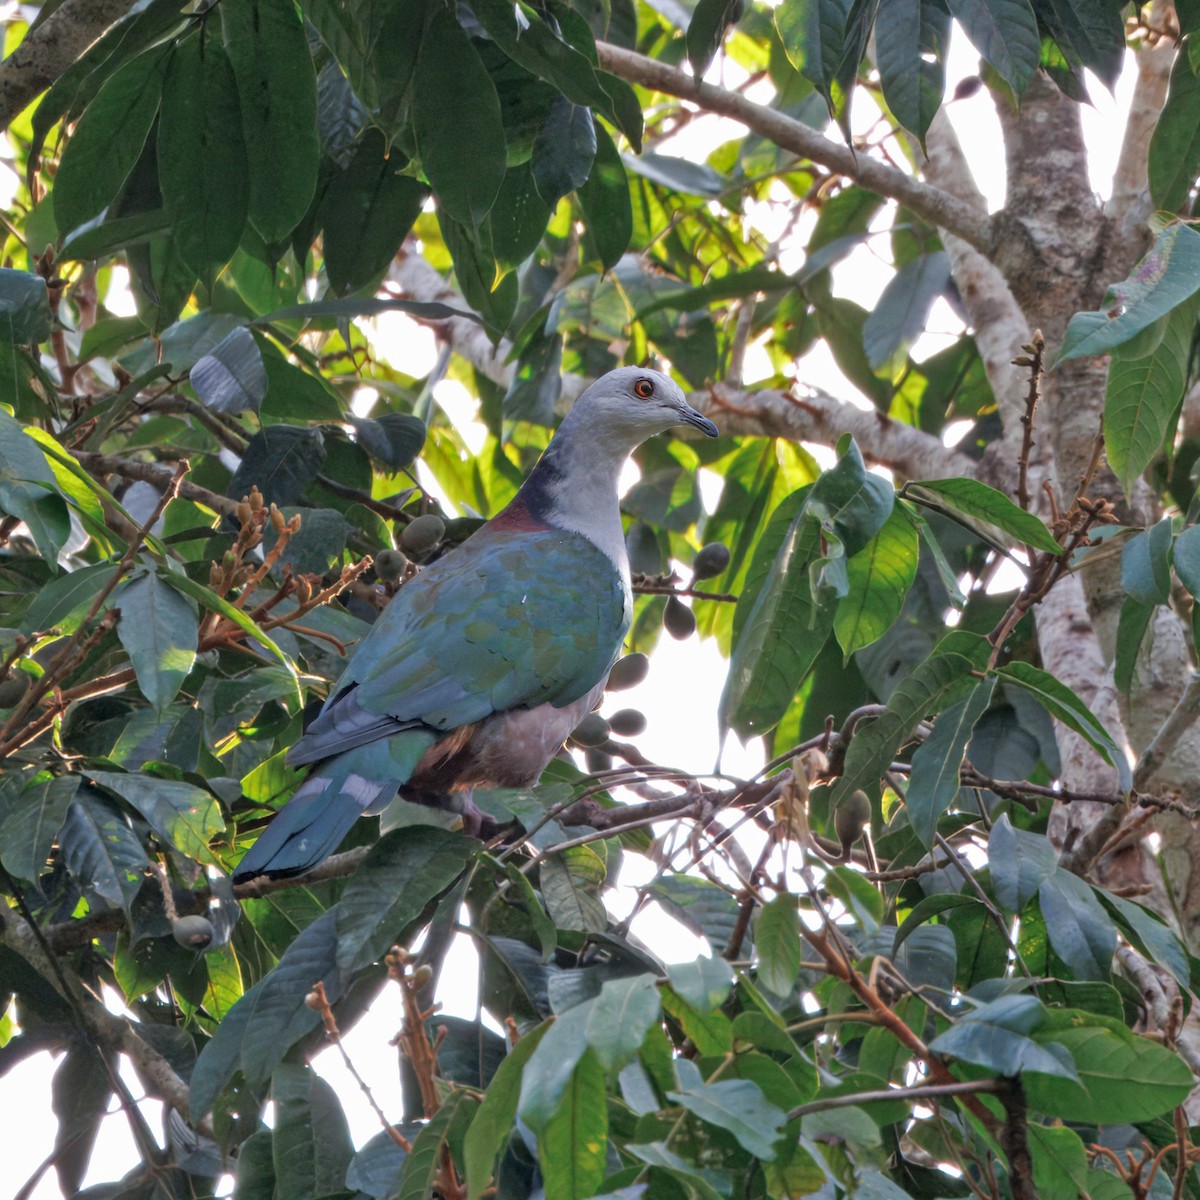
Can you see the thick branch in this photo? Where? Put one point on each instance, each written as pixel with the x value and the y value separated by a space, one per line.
pixel 947 212
pixel 48 50
pixel 159 477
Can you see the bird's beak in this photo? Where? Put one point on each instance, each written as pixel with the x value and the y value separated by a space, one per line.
pixel 689 416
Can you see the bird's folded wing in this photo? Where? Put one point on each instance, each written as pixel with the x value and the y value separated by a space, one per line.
pixel 509 620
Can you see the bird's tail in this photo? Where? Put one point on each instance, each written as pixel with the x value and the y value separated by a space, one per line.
pixel 335 794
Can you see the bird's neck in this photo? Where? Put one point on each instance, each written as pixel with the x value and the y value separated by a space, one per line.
pixel 574 486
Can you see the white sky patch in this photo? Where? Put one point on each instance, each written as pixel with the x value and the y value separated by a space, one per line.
pixel 119 297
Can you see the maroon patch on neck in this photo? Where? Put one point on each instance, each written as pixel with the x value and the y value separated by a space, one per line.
pixel 517 516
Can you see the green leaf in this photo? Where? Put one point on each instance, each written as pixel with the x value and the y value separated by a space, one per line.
pixel 777 940
pixel 23 469
pixel 519 217
pixel 995 1037
pixel 911 57
pixel 281 461
pixel 878 579
pixel 738 1107
pixel 183 815
pixel 548 1072
pixel 277 92
pixel 1149 935
pixel 1089 35
pixel 858 895
pixel 1143 393
pixel 366 212
pixel 322 314
pixel 29 830
pixel 428 1150
pixel 1168 275
pixel 930 906
pixel 456 117
pixel 1123 1078
pixel 493 1123
pixel 1059 701
pixel 102 853
pixel 707 910
pixel 1059 1160
pixel 232 377
pixel 1020 862
pixel 900 313
pixel 108 139
pixel 1081 932
pixel 311 1146
pixel 934 784
pixel 24 307
pixel 61 604
pixel 1131 630
pixel 1175 142
pixel 1146 564
pixel 703 983
pixel 706 31
pixel 159 630
pixel 202 157
pixel 976 500
pixel 942 679
pixel 573 1144
pixel 563 150
pixel 570 884
pixel 1005 32
pixel 1187 559
pixel 404 870
pixel 620 1018
pixel 394 439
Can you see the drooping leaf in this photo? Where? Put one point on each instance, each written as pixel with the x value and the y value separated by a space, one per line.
pixel 281 461
pixel 573 1143
pixel 159 630
pixel 985 504
pixel 899 315
pixel 620 1018
pixel 101 850
pixel 1081 932
pixel 878 579
pixel 996 1037
pixel 23 472
pixel 1020 861
pixel 706 31
pixel 185 816
pixel 231 378
pixel 738 1107
pixel 563 151
pixel 1146 564
pixel 311 1146
pixel 777 940
pixel 911 56
pixel 394 439
pixel 24 307
pixel 1005 32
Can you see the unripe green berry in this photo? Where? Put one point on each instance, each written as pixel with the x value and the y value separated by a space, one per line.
pixel 193 933
pixel 710 560
pixel 850 819
pixel 389 565
pixel 423 535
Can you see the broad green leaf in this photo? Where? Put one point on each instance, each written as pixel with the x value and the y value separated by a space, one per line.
pixel 404 870
pixel 1187 558
pixel 202 155
pixel 277 92
pixel 703 983
pixel 311 1146
pixel 1165 278
pixel 23 472
pixel 518 219
pixel 158 628
pixel 101 851
pixel 858 895
pixel 1081 932
pixel 366 212
pixel 63 603
pixel 900 314
pixel 377 1166
pixel 493 1122
pixel 1059 1160
pixel 1146 566
pixel 1019 861
pixel 706 31
pixel 620 1019
pixel 706 909
pixel 985 504
pixel 1132 625
pixel 185 816
pixel 281 461
pixel 456 118
pixel 1058 700
pixel 24 307
pixel 911 57
pixel 563 150
pixel 426 1157
pixel 1005 32
pixel 1089 35
pixel 573 1144
pixel 942 679
pixel 29 830
pixel 1144 391
pixel 738 1107
pixel 393 439
pixel 777 940
pixel 1150 935
pixel 996 1037
pixel 571 883
pixel 934 784
pixel 108 139
pixel 931 906
pixel 547 1074
pixel 878 579
pixel 710 1032
pixel 1122 1077
pixel 232 378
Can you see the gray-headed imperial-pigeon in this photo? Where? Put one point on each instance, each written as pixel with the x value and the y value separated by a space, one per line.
pixel 483 663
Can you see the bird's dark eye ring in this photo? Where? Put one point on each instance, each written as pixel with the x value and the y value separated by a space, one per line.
pixel 644 388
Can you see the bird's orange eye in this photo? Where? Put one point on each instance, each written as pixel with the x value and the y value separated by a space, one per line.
pixel 644 388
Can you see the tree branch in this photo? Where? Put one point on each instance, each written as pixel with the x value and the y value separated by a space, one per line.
pixel 940 208
pixel 47 51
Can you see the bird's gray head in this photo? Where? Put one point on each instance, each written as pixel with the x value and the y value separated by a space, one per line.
pixel 639 401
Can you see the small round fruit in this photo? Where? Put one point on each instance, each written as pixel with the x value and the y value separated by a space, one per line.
pixel 591 731
pixel 710 560
pixel 598 760
pixel 678 620
pixel 193 933
pixel 850 818
pixel 628 672
pixel 389 565
pixel 13 688
pixel 422 977
pixel 423 535
pixel 629 722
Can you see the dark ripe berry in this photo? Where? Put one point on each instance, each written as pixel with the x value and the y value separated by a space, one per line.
pixel 423 535
pixel 629 722
pixel 591 731
pixel 13 689
pixel 389 565
pixel 628 672
pixel 710 560
pixel 850 818
pixel 678 620
pixel 193 933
